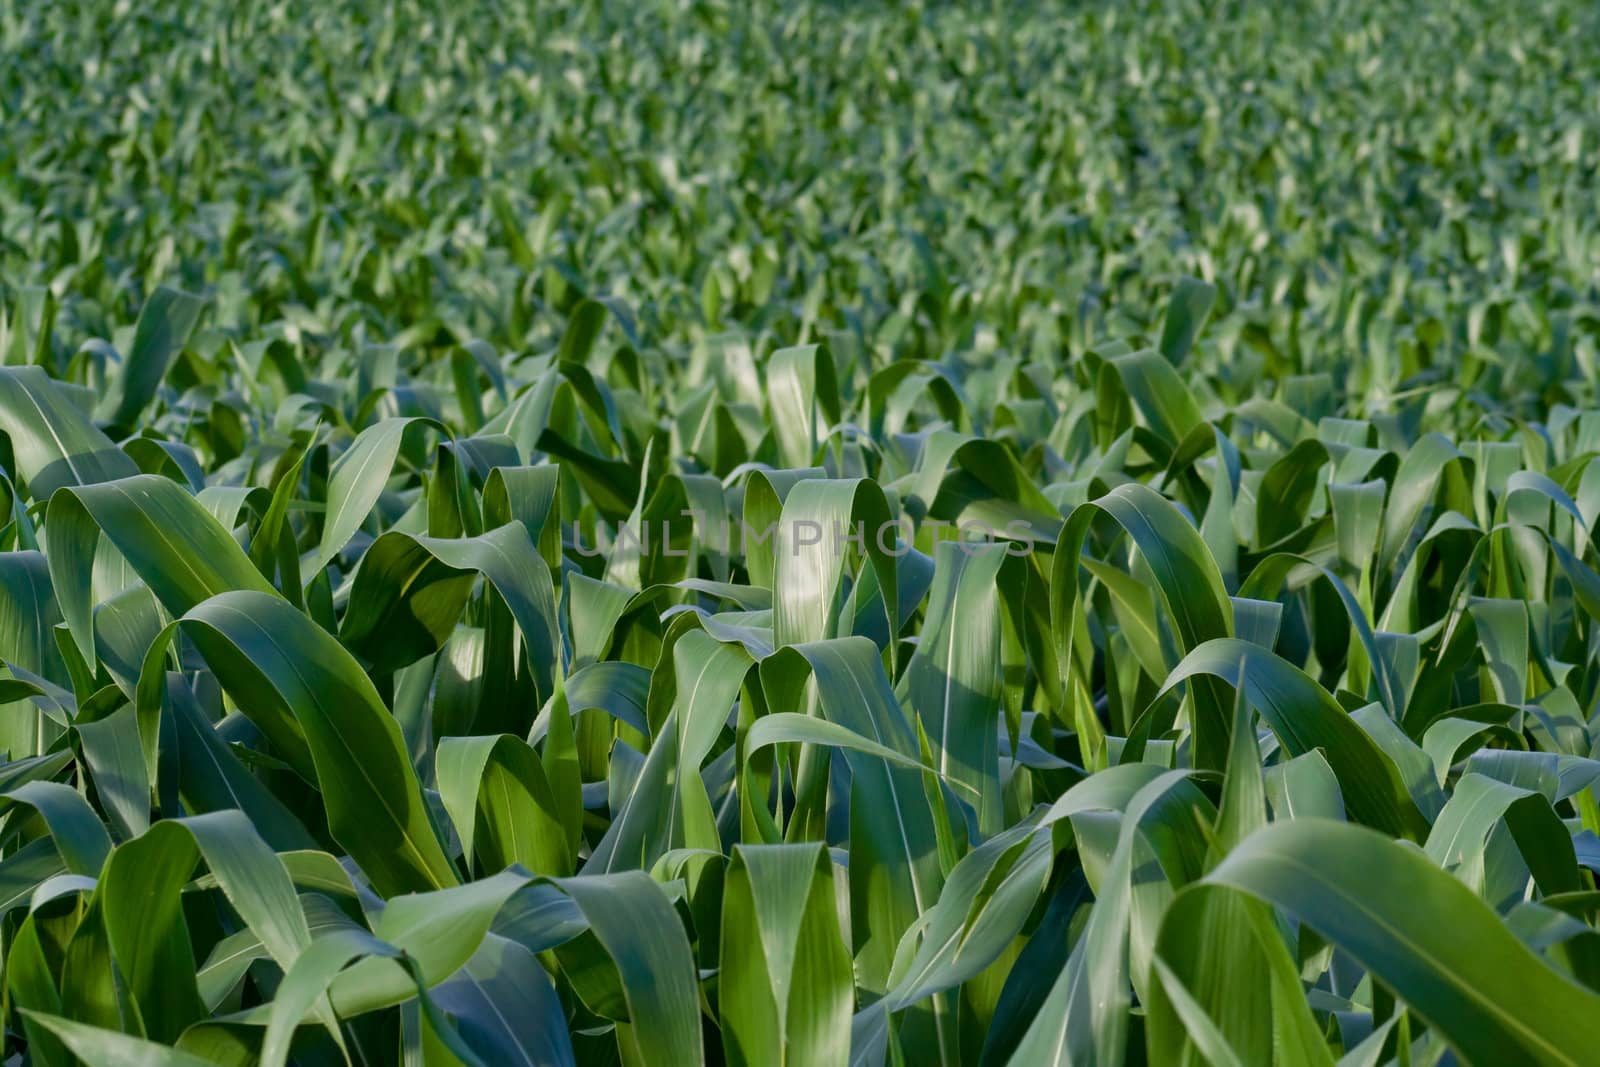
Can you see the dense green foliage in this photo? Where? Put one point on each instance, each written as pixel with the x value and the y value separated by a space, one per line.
pixel 427 433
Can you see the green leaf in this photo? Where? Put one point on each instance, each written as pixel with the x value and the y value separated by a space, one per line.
pixel 1185 575
pixel 165 323
pixel 80 837
pixel 633 920
pixel 497 783
pixel 1424 935
pixel 310 698
pixel 95 1045
pixel 954 676
pixel 1191 303
pixel 785 983
pixel 53 440
pixel 410 591
pixel 1306 718
pixel 169 540
pixel 356 482
pixel 894 870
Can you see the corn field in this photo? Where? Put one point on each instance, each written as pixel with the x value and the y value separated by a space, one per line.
pixel 715 534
